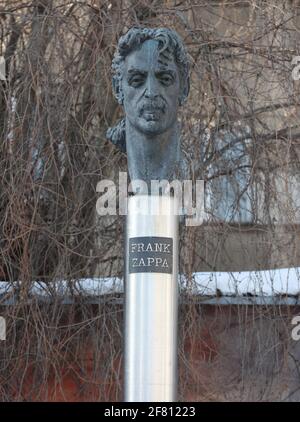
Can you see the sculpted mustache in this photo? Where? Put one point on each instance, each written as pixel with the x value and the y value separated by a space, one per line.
pixel 152 107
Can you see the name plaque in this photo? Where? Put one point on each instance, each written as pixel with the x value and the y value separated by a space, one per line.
pixel 151 255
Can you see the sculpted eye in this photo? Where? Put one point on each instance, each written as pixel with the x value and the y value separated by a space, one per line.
pixel 136 80
pixel 166 79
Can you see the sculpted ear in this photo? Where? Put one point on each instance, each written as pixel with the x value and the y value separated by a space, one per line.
pixel 184 90
pixel 117 89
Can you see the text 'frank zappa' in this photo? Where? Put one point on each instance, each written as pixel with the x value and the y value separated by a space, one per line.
pixel 151 255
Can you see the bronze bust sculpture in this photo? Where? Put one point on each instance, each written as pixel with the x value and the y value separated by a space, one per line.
pixel 151 81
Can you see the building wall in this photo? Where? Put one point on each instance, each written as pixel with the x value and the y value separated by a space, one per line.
pixel 226 353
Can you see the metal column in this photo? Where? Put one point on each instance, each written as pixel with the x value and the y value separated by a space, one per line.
pixel 151 299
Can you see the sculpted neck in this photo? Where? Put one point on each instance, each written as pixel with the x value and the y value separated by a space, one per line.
pixel 152 157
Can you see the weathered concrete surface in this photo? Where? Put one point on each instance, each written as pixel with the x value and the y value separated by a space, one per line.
pixel 240 248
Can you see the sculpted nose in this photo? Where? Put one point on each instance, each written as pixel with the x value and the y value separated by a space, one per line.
pixel 152 88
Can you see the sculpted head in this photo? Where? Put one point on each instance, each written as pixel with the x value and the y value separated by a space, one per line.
pixel 150 78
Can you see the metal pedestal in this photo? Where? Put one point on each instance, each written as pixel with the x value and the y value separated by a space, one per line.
pixel 151 295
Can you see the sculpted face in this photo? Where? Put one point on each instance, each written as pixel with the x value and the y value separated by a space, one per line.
pixel 151 89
